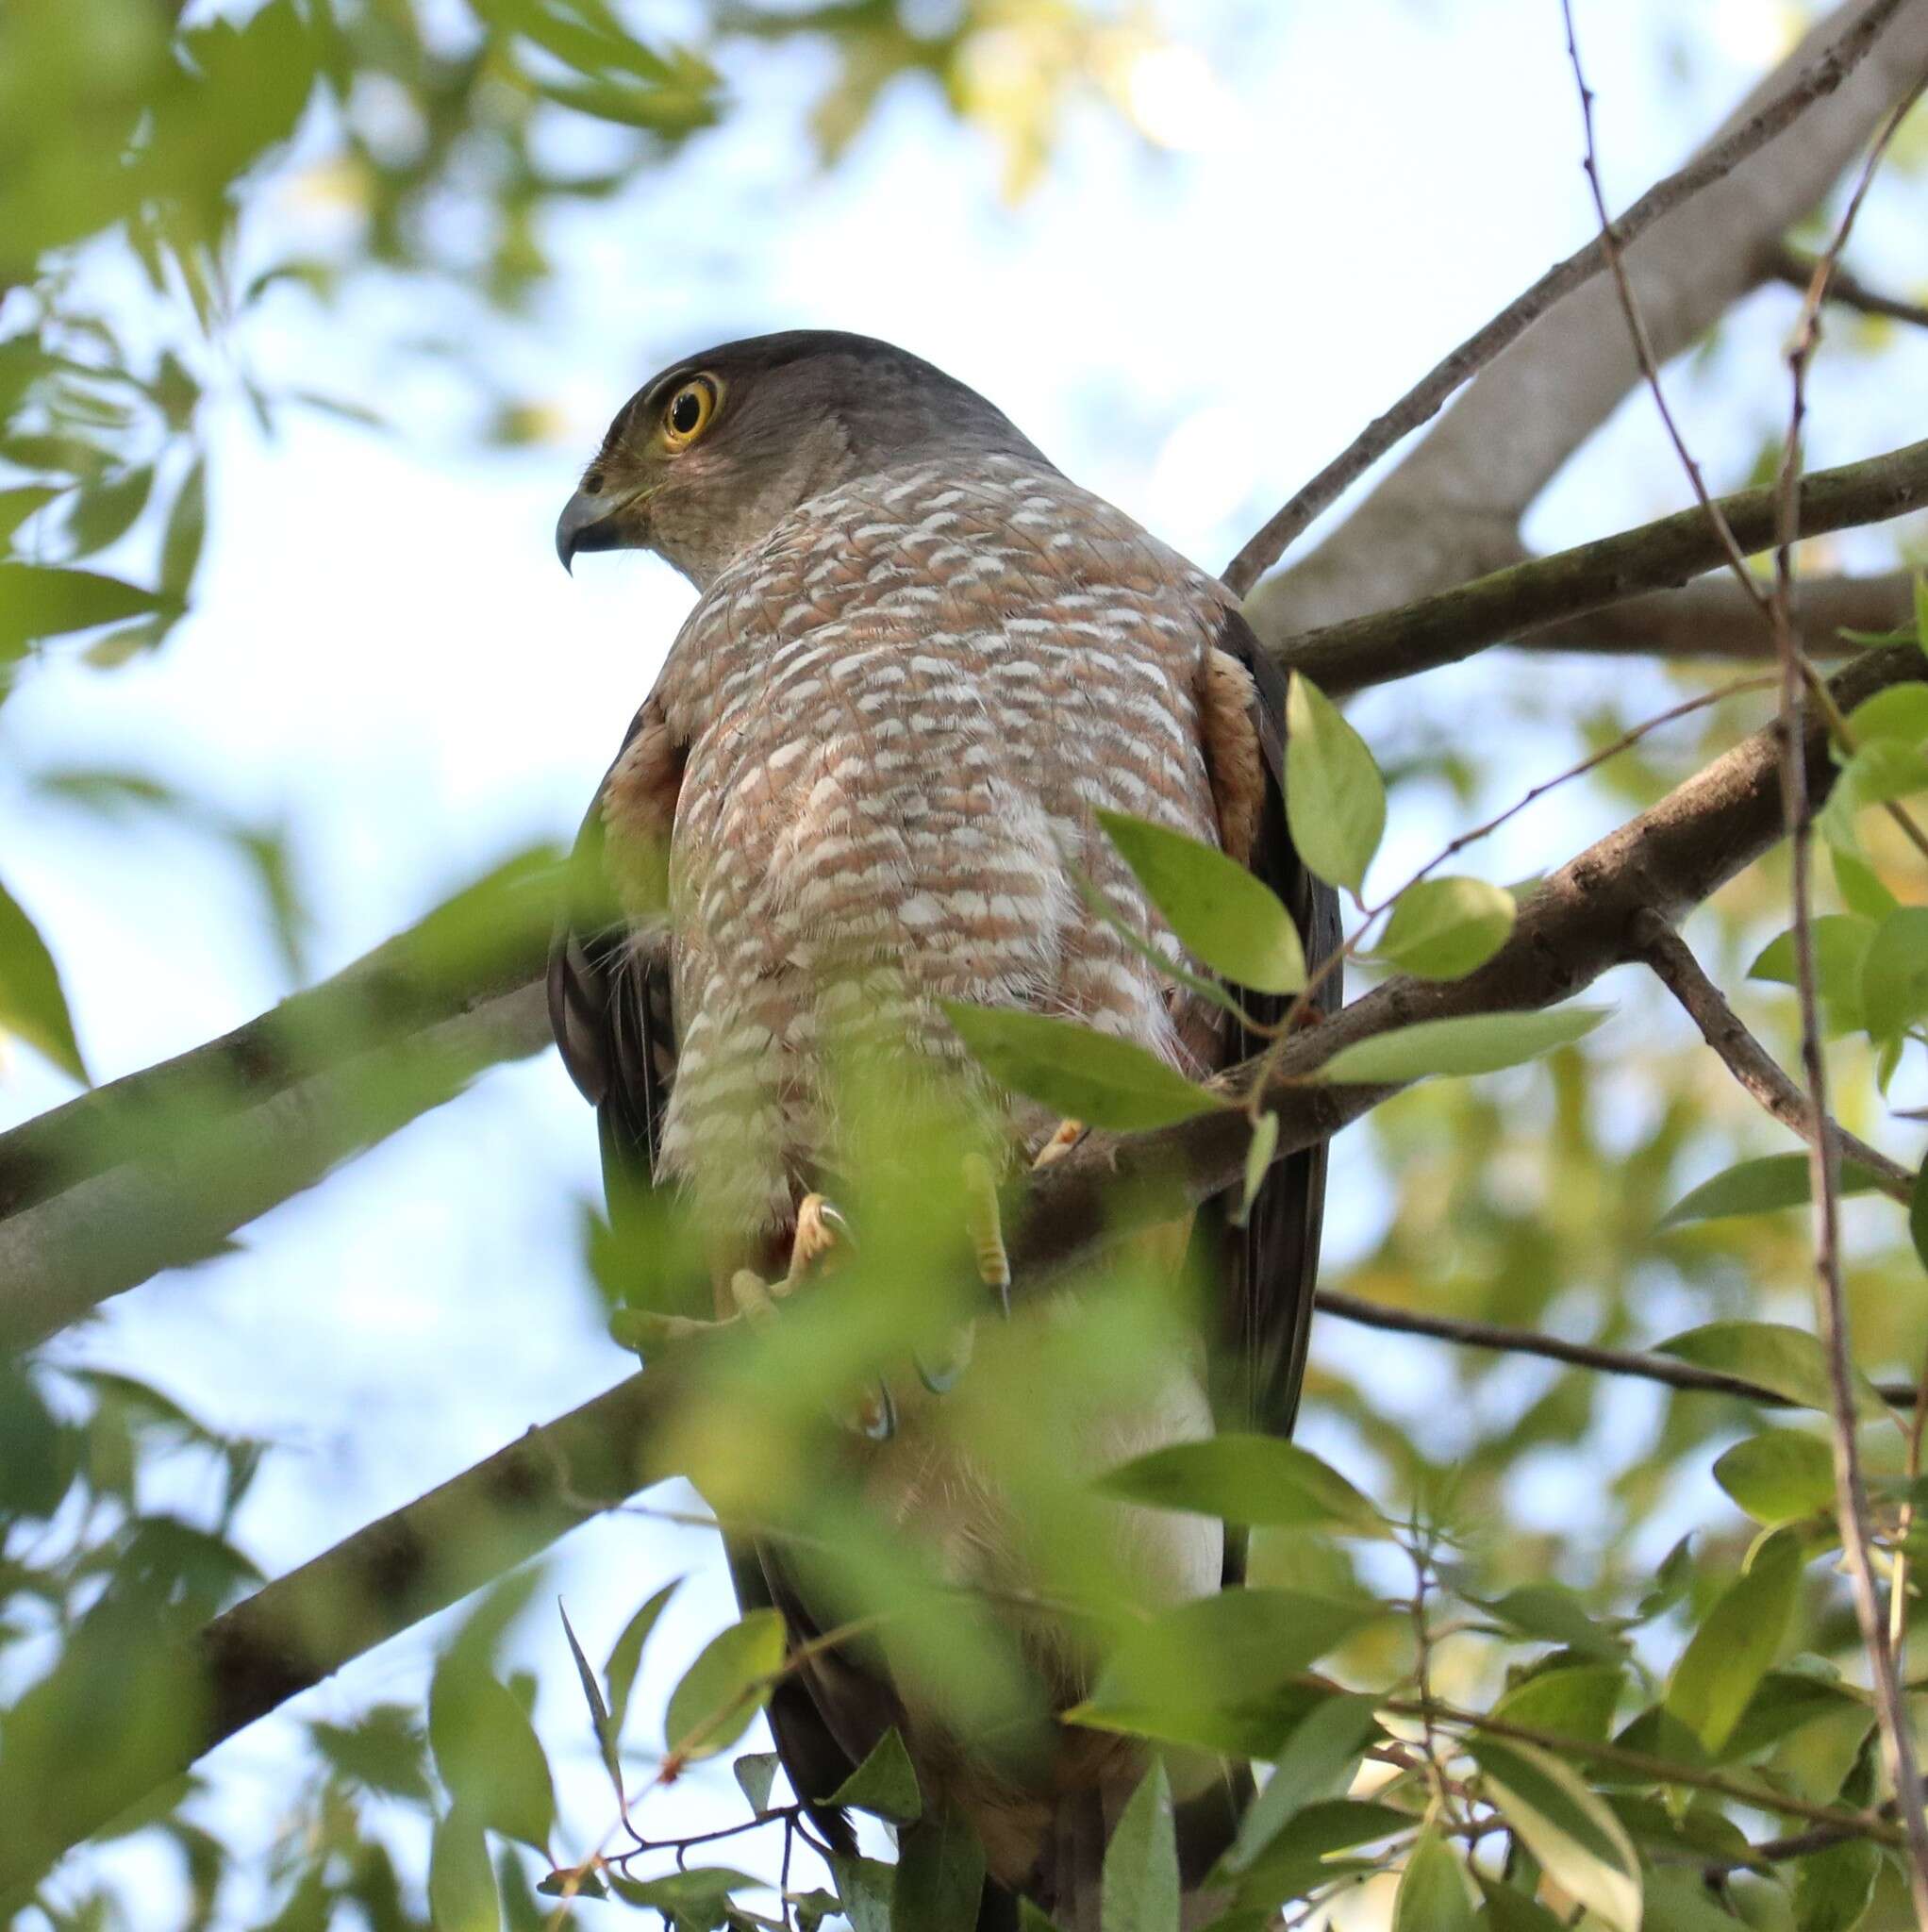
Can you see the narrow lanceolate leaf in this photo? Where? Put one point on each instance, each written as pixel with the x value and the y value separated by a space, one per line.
pixel 1578 1842
pixel 1335 797
pixel 1086 1075
pixel 1478 1043
pixel 488 1755
pixel 1788 1361
pixel 1318 1761
pixel 1140 1891
pixel 723 1689
pixel 1246 1479
pixel 1738 1639
pixel 625 1660
pixel 462 1881
pixel 33 1008
pixel 939 1881
pixel 40 601
pixel 885 1784
pixel 1761 1187
pixel 1433 1894
pixel 1259 1153
pixel 1444 929
pixel 593 1696
pixel 1779 1475
pixel 1223 916
pixel 1552 1613
pixel 16 506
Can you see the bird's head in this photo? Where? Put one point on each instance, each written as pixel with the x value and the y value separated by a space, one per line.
pixel 709 455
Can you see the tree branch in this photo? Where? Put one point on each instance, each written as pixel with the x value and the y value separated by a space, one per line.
pixel 1745 1057
pixel 388 1575
pixel 1845 287
pixel 1711 618
pixel 1450 510
pixel 1520 600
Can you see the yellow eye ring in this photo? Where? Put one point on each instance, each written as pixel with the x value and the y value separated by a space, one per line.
pixel 689 412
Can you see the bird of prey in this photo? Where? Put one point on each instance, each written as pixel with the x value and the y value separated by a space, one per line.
pixel 866 782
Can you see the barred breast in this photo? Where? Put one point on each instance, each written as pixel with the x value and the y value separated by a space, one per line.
pixel 902 711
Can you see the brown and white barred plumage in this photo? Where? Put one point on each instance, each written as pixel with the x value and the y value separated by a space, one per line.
pixel 875 753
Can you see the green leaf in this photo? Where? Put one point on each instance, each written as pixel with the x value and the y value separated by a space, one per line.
pixel 106 508
pixel 1577 1702
pixel 1214 1671
pixel 1478 1043
pixel 1031 1920
pixel 16 506
pixel 1259 1153
pixel 755 1773
pixel 1918 1215
pixel 1779 1475
pixel 32 1004
pixel 1787 1360
pixel 625 1660
pixel 40 601
pixel 1335 797
pixel 1318 1761
pixel 1737 1639
pixel 1433 1894
pixel 885 1784
pixel 728 1684
pixel 1840 944
pixel 1894 971
pixel 461 1882
pixel 1578 1842
pixel 1761 1187
pixel 1901 711
pixel 186 529
pixel 1881 770
pixel 1444 929
pixel 1834 1888
pixel 687 1900
pixel 593 1696
pixel 1508 1909
pixel 1679 1901
pixel 383 1750
pixel 1861 887
pixel 1224 917
pixel 1922 611
pixel 1553 1614
pixel 939 1881
pixel 487 1752
pixel 1248 1479
pixel 1087 1075
pixel 863 1888
pixel 1140 1891
pixel 1299 1857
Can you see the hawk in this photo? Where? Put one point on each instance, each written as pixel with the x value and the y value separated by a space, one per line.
pixel 866 782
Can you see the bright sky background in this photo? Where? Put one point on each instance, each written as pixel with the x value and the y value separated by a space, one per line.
pixel 385 655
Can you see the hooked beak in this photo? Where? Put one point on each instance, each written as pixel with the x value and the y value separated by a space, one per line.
pixel 595 521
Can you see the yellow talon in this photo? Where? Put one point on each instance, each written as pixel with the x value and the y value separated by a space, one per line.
pixel 1067 1137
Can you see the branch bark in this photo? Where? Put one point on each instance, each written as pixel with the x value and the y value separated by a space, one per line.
pixel 1845 289
pixel 1450 510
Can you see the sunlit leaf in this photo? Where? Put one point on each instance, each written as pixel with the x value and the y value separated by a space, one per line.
pixel 1443 928
pixel 487 1752
pixel 720 1693
pixel 1433 1895
pixel 1576 1701
pixel 33 1007
pixel 1901 711
pixel 461 1882
pixel 40 600
pixel 1894 971
pixel 1475 1043
pixel 885 1784
pixel 1141 1891
pixel 1760 1187
pixel 1335 797
pixel 1087 1075
pixel 1248 1479
pixel 1738 1639
pixel 1224 917
pixel 1840 943
pixel 1883 769
pixel 16 506
pixel 1861 887
pixel 1787 1360
pixel 1779 1475
pixel 1578 1842
pixel 1317 1762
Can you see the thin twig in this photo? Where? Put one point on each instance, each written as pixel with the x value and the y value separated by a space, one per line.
pixel 1581 1355
pixel 1424 400
pixel 1850 1489
pixel 1790 266
pixel 1744 1057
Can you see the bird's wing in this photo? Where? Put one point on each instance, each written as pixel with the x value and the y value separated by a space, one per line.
pixel 1269 1267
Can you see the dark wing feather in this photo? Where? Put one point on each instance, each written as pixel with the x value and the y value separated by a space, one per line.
pixel 1273 1263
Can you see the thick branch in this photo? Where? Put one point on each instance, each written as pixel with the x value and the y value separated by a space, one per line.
pixel 1711 618
pixel 1452 507
pixel 1745 1057
pixel 1513 601
pixel 395 1572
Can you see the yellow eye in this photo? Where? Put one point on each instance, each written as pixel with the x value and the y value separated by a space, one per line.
pixel 689 412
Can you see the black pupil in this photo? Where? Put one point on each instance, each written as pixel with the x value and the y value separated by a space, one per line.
pixel 686 412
